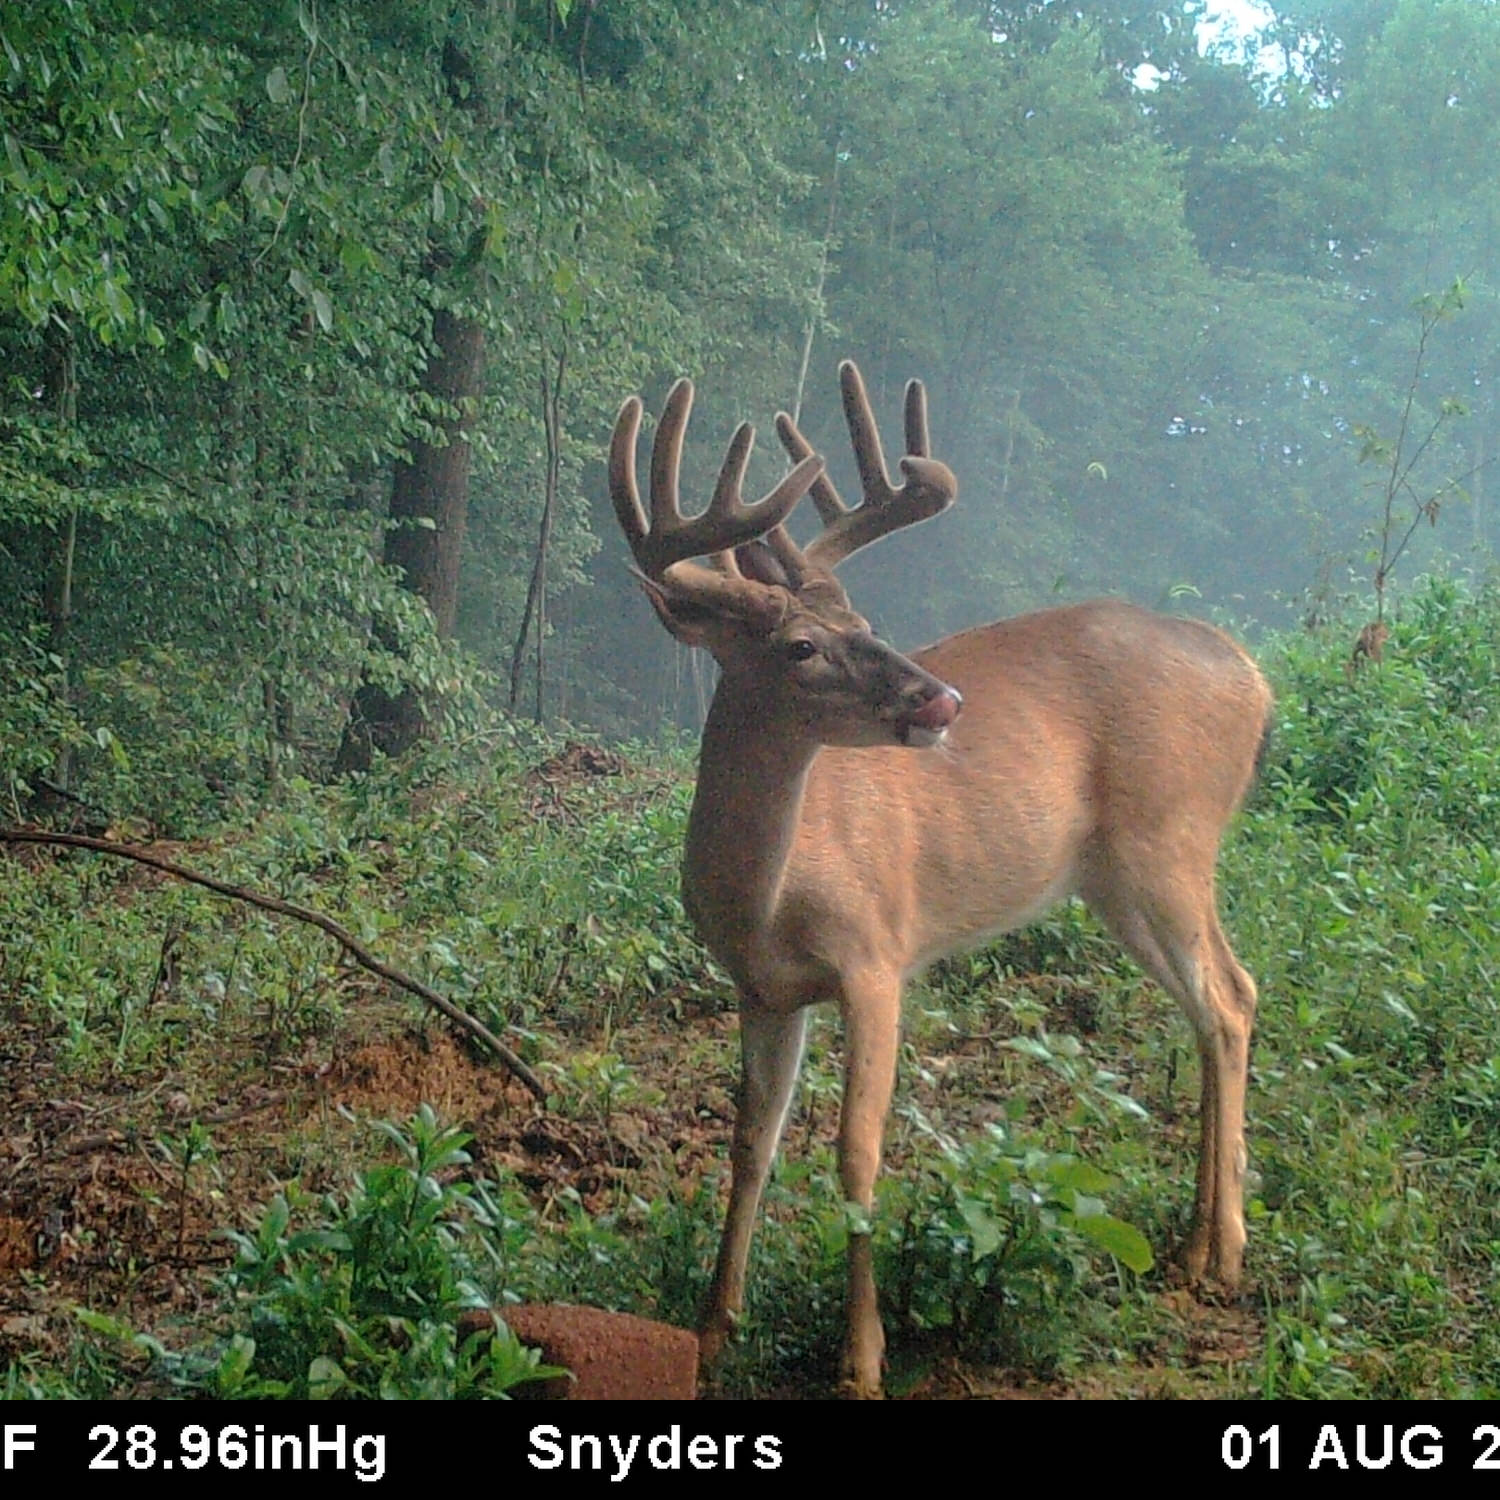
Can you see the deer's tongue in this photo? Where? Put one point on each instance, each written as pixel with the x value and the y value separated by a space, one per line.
pixel 938 712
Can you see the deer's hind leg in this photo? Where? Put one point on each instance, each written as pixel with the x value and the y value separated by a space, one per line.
pixel 1171 927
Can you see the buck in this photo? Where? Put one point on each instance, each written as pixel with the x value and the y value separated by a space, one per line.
pixel 860 813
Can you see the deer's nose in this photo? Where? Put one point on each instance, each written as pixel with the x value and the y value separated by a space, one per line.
pixel 940 710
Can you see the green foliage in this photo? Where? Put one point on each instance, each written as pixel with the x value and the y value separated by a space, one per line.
pixel 1029 1208
pixel 1151 320
pixel 106 132
pixel 360 1295
pixel 1025 216
pixel 34 717
pixel 1405 747
pixel 995 1247
pixel 1365 898
pixel 522 924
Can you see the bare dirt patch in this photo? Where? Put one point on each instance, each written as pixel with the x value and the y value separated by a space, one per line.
pixel 96 1212
pixel 611 1356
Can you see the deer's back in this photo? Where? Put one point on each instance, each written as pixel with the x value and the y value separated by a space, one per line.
pixel 1087 731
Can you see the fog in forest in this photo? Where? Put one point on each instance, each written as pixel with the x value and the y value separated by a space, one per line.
pixel 316 320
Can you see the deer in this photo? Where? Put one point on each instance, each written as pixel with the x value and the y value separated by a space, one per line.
pixel 860 813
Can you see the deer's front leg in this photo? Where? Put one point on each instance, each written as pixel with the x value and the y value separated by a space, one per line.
pixel 872 1030
pixel 772 1052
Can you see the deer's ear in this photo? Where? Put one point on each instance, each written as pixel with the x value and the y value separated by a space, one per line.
pixel 690 621
pixel 757 561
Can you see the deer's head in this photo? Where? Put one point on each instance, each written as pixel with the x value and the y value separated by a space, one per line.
pixel 772 613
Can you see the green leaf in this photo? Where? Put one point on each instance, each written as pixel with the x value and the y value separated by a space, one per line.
pixel 1031 1047
pixel 323 308
pixel 1124 1241
pixel 234 1364
pixel 102 1323
pixel 1123 1102
pixel 1396 1005
pixel 856 1219
pixel 325 1378
pixel 277 87
pixel 983 1230
pixel 1079 1176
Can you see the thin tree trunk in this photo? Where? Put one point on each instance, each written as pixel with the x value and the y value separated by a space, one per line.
pixel 812 318
pixel 280 663
pixel 63 378
pixel 536 589
pixel 1476 491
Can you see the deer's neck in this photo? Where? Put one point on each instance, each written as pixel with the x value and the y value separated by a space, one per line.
pixel 751 778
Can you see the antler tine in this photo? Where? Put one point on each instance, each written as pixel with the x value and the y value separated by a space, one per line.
pixel 918 442
pixel 864 435
pixel 727 505
pixel 622 488
pixel 928 488
pixel 740 523
pixel 671 538
pixel 824 496
pixel 666 462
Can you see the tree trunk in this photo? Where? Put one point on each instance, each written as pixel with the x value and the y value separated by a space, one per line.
pixel 429 506
pixel 1476 492
pixel 429 495
pixel 62 392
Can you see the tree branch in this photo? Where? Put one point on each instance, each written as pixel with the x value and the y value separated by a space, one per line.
pixel 351 945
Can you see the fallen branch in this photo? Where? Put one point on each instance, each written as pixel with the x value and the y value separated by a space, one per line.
pixel 350 944
pixel 243 1111
pixel 99 1141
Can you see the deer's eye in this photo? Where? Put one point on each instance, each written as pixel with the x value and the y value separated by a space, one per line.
pixel 801 650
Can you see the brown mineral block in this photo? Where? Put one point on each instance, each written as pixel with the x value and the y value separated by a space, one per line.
pixel 613 1356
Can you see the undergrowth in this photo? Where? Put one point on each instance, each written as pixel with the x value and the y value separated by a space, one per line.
pixel 1042 1142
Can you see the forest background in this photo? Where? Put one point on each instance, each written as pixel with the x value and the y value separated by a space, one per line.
pixel 314 321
